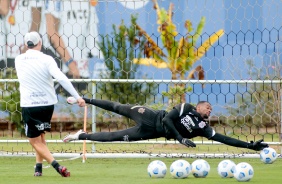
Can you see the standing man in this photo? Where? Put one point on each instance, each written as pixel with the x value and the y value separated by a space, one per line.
pixel 35 71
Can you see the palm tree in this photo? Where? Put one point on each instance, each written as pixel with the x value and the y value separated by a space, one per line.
pixel 119 49
pixel 180 55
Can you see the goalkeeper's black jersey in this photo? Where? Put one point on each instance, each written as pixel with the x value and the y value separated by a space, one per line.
pixel 190 123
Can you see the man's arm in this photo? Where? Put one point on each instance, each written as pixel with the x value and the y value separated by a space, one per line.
pixel 58 43
pixel 64 81
pixel 170 128
pixel 4 7
pixel 36 19
pixel 257 146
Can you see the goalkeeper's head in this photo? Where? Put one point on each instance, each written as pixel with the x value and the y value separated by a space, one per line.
pixel 204 108
pixel 33 40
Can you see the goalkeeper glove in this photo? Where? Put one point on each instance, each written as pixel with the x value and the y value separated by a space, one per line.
pixel 187 142
pixel 258 145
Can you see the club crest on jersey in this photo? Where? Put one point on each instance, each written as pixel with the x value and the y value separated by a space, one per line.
pixel 202 124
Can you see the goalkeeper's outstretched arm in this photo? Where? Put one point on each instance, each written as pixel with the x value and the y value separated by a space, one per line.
pixel 257 146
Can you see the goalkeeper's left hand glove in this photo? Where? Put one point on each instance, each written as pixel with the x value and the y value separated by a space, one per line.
pixel 187 142
pixel 258 145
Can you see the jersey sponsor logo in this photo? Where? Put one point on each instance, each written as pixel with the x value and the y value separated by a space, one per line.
pixel 188 123
pixel 37 94
pixel 40 127
pixel 39 102
pixel 43 126
pixel 47 125
pixel 202 124
pixel 30 58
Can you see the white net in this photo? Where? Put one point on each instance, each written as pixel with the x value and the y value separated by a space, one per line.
pixel 225 52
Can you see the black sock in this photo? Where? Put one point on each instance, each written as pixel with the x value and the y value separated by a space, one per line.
pixel 38 167
pixel 83 137
pixel 56 165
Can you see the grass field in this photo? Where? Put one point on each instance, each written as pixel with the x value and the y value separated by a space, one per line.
pixel 125 171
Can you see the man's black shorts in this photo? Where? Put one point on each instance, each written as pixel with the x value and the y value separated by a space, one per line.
pixel 37 120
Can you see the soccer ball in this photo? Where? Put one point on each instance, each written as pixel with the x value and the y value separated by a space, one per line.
pixel 243 172
pixel 225 169
pixel 180 169
pixel 157 169
pixel 268 155
pixel 200 168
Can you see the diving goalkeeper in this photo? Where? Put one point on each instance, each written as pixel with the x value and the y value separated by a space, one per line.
pixel 182 123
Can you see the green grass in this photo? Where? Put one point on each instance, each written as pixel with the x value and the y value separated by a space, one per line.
pixel 122 171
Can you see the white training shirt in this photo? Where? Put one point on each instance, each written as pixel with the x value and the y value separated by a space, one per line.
pixel 35 71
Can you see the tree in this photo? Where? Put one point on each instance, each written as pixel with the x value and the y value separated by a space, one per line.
pixel 119 50
pixel 260 104
pixel 180 55
pixel 10 99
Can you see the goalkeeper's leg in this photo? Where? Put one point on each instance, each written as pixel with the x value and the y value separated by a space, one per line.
pixel 140 114
pixel 116 107
pixel 132 134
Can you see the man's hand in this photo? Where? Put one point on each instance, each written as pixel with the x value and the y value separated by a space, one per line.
pixel 81 102
pixel 258 145
pixel 187 142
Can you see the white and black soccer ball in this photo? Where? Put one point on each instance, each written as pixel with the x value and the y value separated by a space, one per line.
pixel 180 169
pixel 157 169
pixel 225 169
pixel 243 172
pixel 268 155
pixel 200 168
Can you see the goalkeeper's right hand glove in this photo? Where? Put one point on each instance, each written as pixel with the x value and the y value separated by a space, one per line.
pixel 258 145
pixel 187 142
